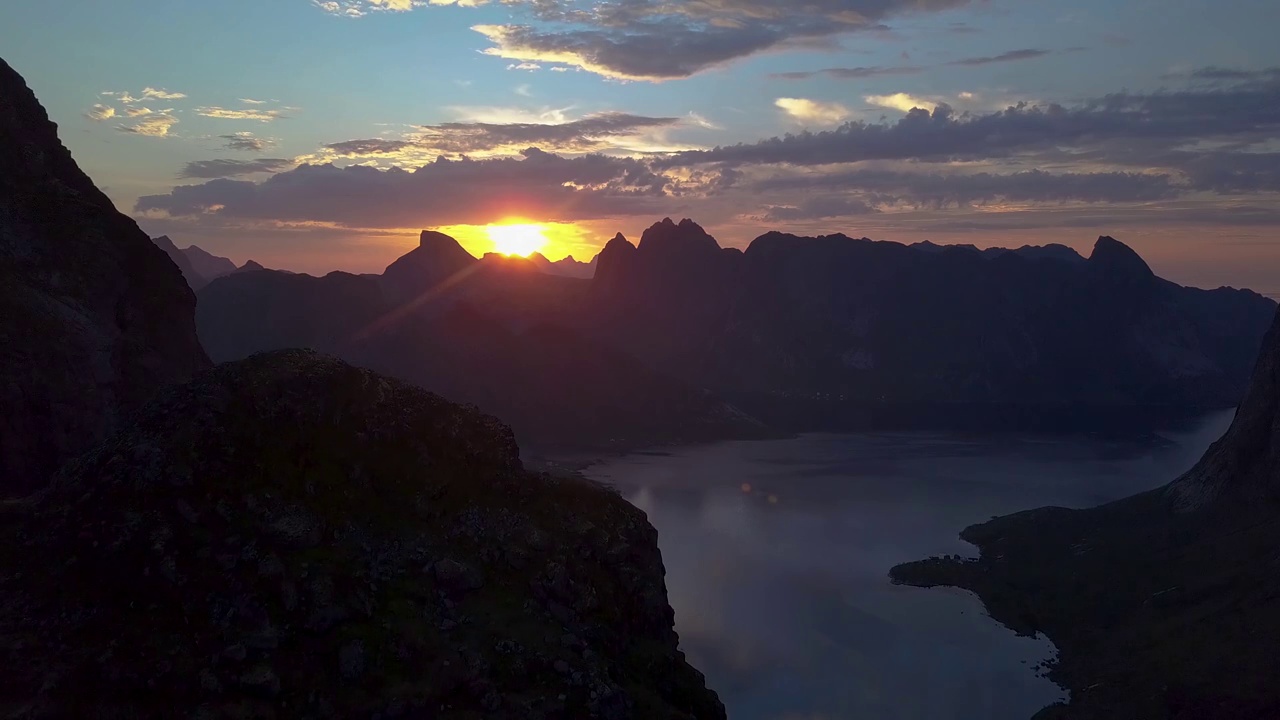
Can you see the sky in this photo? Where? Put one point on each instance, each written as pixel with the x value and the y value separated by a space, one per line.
pixel 318 136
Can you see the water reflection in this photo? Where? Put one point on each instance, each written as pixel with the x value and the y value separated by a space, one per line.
pixel 777 556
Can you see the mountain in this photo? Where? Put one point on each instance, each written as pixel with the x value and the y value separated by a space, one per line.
pixel 826 332
pixel 1161 604
pixel 480 331
pixel 93 316
pixel 194 279
pixel 291 536
pixel 566 266
pixel 208 265
pixel 283 536
pixel 249 266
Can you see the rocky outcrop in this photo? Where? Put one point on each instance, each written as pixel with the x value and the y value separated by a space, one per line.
pixel 93 316
pixel 1162 605
pixel 291 536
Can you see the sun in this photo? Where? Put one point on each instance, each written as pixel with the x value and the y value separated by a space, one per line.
pixel 517 239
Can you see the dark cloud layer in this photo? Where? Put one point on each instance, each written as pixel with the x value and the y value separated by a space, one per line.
pixel 656 40
pixel 441 193
pixel 232 168
pixel 960 189
pixel 1247 111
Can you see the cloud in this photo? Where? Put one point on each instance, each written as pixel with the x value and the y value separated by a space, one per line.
pixel 962 189
pixel 101 112
pixel 653 40
pixel 813 111
pixel 900 101
pixel 138 111
pixel 360 8
pixel 1011 56
pixel 539 186
pixel 1153 123
pixel 153 125
pixel 859 73
pixel 228 114
pixel 246 141
pixel 852 73
pixel 524 66
pixel 819 208
pixel 220 168
pixel 162 94
pixel 591 133
pixel 251 101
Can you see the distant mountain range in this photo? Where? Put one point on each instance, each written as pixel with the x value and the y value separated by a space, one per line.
pixel 200 267
pixel 676 338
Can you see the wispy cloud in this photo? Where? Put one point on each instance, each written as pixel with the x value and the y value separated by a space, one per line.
pixel 232 114
pixel 851 73
pixel 903 102
pixel 1011 56
pixel 153 125
pixel 151 92
pixel 552 131
pixel 100 112
pixel 813 112
pixel 246 141
pixel 221 168
pixel 251 101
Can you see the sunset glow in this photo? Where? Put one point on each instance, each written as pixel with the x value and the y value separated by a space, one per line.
pixel 517 239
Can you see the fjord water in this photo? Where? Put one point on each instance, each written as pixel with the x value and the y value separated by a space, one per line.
pixel 777 557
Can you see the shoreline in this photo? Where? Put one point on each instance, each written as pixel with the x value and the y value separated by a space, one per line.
pixel 1154 614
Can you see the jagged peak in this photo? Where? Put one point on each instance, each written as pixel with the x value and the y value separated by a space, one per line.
pixel 667 234
pixel 619 243
pixel 435 239
pixel 1115 256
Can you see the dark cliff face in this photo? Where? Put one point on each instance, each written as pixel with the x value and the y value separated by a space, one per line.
pixel 292 536
pixel 1245 463
pixel 193 277
pixel 93 316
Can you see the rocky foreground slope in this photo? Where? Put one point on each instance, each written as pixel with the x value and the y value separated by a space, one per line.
pixel 291 536
pixel 1162 605
pixel 286 536
pixel 93 316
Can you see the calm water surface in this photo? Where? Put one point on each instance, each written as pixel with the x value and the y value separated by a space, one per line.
pixel 778 552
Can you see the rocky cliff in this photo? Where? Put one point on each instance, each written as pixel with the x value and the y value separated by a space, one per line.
pixel 93 316
pixel 291 536
pixel 1162 605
